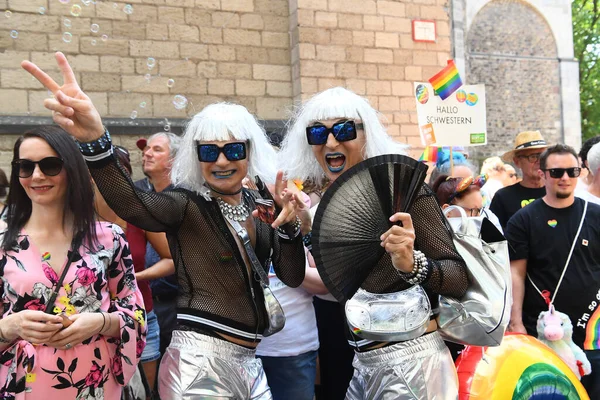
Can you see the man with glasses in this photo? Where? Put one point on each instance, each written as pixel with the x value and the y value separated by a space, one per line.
pixel 526 156
pixel 542 236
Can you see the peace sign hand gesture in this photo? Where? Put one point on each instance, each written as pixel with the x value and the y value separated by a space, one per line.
pixel 71 108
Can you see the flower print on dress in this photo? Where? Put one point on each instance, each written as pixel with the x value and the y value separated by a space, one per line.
pixel 84 301
pixel 50 273
pixel 41 291
pixel 99 279
pixel 85 276
pixel 100 260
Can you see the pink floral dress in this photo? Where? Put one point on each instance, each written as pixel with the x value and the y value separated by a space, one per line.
pixel 99 280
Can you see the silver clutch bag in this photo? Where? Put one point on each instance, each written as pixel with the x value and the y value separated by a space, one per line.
pixel 389 317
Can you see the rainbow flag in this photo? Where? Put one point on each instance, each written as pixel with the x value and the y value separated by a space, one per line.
pixel 447 81
pixel 430 154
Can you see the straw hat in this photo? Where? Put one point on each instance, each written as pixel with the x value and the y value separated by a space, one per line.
pixel 524 141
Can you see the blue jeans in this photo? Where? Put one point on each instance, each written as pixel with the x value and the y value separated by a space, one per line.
pixel 591 382
pixel 152 349
pixel 291 377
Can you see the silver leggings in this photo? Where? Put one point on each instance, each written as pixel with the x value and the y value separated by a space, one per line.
pixel 196 366
pixel 420 369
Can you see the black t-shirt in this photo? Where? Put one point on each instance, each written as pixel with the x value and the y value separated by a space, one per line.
pixel 507 201
pixel 544 235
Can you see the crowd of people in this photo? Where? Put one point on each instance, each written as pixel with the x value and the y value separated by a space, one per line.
pixel 105 278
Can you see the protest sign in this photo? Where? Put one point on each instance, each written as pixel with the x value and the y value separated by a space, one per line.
pixel 457 121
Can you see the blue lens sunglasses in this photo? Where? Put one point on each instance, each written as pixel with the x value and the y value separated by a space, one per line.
pixel 233 151
pixel 343 131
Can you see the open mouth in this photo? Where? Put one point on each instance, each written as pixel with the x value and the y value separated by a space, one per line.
pixel 335 161
pixel 223 174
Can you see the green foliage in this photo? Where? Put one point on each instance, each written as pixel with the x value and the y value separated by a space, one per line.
pixel 586 37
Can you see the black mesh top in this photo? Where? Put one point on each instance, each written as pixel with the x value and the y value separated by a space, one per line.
pixel 447 270
pixel 216 292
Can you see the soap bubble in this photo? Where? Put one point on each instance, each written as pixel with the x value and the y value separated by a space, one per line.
pixel 170 82
pixel 115 5
pixel 75 10
pixel 104 38
pixel 42 10
pixel 86 2
pixel 128 9
pixel 148 77
pixel 8 13
pixel 143 104
pixel 65 1
pixel 67 22
pixel 67 37
pixel 151 62
pixel 94 28
pixel 167 128
pixel 14 34
pixel 93 42
pixel 180 102
pixel 133 114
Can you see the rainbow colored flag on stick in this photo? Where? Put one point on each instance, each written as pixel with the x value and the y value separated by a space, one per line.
pixel 447 81
pixel 430 154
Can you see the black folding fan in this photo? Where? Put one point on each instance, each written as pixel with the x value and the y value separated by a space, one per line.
pixel 354 212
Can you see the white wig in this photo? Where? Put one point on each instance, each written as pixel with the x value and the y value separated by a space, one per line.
pixel 223 122
pixel 296 158
pixel 593 159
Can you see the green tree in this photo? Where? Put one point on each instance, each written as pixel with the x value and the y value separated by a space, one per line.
pixel 586 37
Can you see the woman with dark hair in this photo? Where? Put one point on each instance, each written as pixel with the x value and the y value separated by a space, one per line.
pixel 3 193
pixel 80 335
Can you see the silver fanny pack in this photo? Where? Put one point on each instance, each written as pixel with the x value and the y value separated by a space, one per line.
pixel 389 317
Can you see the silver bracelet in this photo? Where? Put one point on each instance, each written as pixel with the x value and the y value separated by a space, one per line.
pixel 419 271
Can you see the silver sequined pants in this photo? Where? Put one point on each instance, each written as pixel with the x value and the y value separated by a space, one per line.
pixel 199 367
pixel 420 369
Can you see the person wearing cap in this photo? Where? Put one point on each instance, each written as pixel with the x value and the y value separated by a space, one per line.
pixel 529 145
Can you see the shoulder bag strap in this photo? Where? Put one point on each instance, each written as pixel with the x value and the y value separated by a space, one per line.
pixel 243 235
pixel 568 258
pixel 74 248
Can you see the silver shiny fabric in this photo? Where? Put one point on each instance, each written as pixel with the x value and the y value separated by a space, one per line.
pixel 482 315
pixel 419 369
pixel 389 317
pixel 199 367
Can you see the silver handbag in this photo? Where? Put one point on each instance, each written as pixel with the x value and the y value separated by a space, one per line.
pixel 389 317
pixel 482 315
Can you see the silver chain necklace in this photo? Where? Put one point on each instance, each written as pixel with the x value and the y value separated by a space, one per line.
pixel 239 213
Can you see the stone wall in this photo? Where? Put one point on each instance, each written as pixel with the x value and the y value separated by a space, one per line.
pixel 263 54
pixel 512 47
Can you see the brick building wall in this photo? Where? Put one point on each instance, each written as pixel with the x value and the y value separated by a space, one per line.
pixel 264 54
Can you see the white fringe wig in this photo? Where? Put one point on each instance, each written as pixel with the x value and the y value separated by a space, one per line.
pixel 223 122
pixel 296 158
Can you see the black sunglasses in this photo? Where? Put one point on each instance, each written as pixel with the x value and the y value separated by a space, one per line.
pixel 558 173
pixel 343 131
pixel 50 166
pixel 233 151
